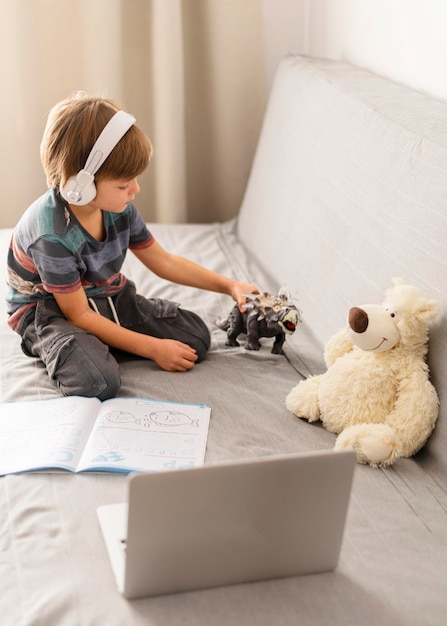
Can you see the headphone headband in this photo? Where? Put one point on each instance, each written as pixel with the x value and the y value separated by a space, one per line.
pixel 80 189
pixel 111 134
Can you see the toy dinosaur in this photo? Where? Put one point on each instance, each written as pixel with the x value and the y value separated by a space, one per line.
pixel 266 316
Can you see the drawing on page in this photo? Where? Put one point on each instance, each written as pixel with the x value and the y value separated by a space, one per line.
pixel 110 457
pixel 120 417
pixel 158 418
pixel 170 418
pixel 62 455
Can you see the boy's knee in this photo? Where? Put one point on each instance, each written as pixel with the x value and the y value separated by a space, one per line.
pixel 202 345
pixel 83 371
pixel 200 338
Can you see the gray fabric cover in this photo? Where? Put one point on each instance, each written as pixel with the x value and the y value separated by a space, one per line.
pixel 347 191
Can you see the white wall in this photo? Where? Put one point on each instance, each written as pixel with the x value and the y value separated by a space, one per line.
pixel 405 40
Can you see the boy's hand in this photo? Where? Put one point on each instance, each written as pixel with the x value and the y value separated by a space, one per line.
pixel 173 356
pixel 237 293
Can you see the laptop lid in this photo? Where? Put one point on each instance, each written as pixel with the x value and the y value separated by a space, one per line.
pixel 229 522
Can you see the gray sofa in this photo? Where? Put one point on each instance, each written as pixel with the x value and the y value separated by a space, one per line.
pixel 348 189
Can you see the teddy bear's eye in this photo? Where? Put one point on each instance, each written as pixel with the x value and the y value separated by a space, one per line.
pixel 390 312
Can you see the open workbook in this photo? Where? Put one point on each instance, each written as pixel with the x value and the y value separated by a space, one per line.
pixel 119 435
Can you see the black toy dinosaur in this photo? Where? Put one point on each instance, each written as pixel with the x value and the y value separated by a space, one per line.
pixel 266 316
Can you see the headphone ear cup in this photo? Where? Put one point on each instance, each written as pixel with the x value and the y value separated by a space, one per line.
pixel 79 190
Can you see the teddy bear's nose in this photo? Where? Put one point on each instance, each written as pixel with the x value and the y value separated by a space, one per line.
pixel 358 319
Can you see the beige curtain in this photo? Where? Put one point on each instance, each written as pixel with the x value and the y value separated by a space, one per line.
pixel 191 71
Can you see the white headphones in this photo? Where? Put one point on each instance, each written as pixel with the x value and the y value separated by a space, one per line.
pixel 80 189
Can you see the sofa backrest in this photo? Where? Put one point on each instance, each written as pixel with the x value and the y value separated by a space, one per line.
pixel 348 190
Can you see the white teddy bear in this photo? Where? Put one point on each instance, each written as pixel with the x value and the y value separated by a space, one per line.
pixel 376 394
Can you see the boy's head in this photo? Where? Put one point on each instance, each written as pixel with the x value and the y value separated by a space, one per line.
pixel 72 128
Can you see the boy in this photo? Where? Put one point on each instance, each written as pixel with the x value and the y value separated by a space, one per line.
pixel 67 298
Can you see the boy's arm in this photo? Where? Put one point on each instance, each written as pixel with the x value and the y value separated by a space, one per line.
pixel 169 354
pixel 180 270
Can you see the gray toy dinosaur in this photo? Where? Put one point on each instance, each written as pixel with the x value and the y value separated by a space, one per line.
pixel 266 316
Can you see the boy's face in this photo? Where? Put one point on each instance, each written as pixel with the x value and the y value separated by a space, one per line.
pixel 114 195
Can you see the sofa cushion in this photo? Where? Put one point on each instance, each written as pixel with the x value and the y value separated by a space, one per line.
pixel 348 190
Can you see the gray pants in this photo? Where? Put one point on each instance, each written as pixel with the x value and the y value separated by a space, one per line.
pixel 80 363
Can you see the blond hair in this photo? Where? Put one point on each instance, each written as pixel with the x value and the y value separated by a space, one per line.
pixel 72 128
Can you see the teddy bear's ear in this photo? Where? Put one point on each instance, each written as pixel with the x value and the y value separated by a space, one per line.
pixel 428 310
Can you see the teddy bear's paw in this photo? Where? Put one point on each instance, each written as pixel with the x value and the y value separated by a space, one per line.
pixel 303 399
pixel 374 444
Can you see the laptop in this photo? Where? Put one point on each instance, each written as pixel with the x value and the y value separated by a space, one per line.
pixel 228 523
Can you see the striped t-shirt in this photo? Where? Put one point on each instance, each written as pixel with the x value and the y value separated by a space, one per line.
pixel 50 252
